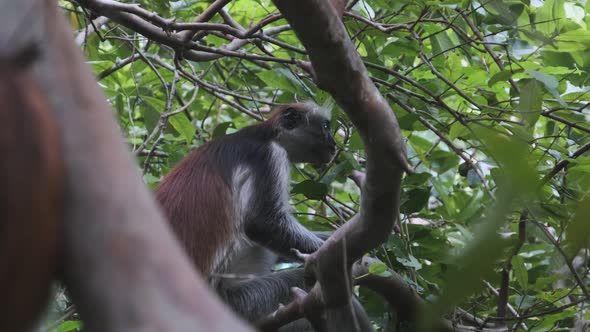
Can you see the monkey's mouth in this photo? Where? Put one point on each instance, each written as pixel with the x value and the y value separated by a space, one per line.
pixel 322 154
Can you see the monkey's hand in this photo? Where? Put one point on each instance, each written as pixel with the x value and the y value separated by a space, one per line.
pixel 299 255
pixel 308 274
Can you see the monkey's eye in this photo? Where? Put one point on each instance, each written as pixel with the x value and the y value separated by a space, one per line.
pixel 326 125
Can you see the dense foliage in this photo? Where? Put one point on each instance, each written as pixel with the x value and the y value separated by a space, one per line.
pixel 492 98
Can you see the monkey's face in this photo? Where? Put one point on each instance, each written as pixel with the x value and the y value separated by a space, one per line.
pixel 306 137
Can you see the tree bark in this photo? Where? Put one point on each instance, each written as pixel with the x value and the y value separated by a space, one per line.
pixel 122 266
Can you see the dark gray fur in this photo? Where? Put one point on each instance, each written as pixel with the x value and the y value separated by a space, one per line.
pixel 269 223
pixel 260 296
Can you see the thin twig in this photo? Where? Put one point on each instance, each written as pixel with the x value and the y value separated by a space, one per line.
pixel 567 260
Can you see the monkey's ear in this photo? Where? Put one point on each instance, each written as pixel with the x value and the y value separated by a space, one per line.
pixel 290 118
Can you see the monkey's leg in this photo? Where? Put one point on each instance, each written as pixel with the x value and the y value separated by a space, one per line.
pixel 259 297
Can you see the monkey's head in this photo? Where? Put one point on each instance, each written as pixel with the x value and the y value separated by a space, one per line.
pixel 304 132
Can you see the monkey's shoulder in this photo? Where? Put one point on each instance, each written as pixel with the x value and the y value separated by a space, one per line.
pixel 243 149
pixel 248 153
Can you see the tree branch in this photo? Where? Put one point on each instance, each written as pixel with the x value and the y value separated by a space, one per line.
pixel 161 30
pixel 121 263
pixel 339 70
pixel 205 16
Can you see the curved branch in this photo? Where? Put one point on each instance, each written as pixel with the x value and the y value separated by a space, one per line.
pixel 339 70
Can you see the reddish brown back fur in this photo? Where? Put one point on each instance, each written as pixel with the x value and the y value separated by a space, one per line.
pixel 31 198
pixel 196 200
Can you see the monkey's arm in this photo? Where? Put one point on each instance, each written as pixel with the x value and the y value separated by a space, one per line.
pixel 269 221
pixel 283 234
pixel 323 235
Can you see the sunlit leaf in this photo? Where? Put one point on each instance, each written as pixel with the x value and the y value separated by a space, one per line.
pixel 377 268
pixel 183 126
pixel 68 326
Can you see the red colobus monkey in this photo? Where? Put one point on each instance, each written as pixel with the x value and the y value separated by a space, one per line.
pixel 228 203
pixel 235 190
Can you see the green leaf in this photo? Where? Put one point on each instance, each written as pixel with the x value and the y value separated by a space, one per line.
pixel 443 161
pixel 443 194
pixel 578 230
pixel 503 12
pixel 531 101
pixel 441 43
pixel 550 82
pixel 221 129
pixel 311 189
pixel 572 41
pixel 410 262
pixel 417 179
pixel 520 271
pixel 377 268
pixel 458 130
pixel 515 173
pixel 343 168
pixel 548 16
pixel 408 122
pixel 580 168
pixel 415 201
pixel 578 36
pixel 179 122
pixel 420 144
pixel 67 326
pixel 355 142
pixel 472 206
pixel 283 79
pixel 183 126
pixel 502 76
